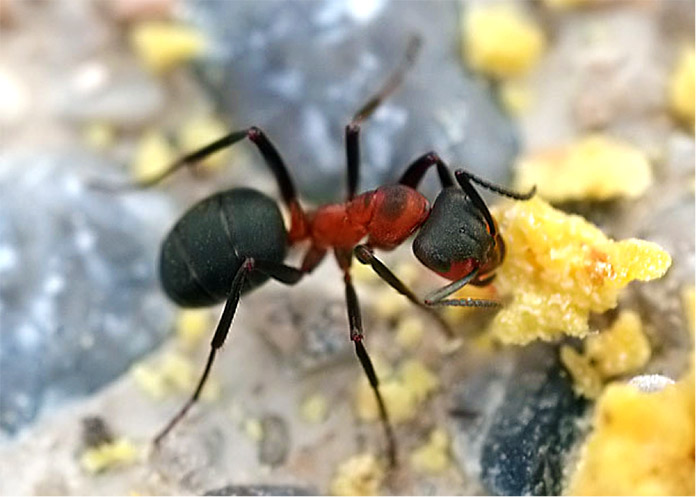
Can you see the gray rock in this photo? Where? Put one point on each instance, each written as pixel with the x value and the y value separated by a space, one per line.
pixel 79 298
pixel 275 444
pixel 301 69
pixel 516 419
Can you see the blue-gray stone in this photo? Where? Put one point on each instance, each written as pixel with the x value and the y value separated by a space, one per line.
pixel 516 420
pixel 79 295
pixel 301 69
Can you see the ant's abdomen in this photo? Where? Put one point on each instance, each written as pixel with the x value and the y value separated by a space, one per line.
pixel 207 246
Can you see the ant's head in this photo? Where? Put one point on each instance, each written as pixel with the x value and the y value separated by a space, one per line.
pixel 456 239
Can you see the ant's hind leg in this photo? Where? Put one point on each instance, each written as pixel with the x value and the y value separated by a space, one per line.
pixel 356 336
pixel 221 331
pixel 365 255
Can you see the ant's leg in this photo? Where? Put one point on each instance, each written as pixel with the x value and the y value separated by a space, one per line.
pixel 356 335
pixel 415 172
pixel 312 258
pixel 353 129
pixel 365 255
pixel 464 179
pixel 439 297
pixel 218 339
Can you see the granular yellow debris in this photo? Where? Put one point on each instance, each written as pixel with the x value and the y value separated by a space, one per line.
pixel 418 379
pixel 191 326
pixel 500 41
pixel 586 379
pixel 314 408
pixel 109 455
pixel 433 457
pixel 389 304
pixel 516 97
pixel 153 155
pixel 594 168
pixel 642 443
pixel 200 131
pixel 253 428
pixel 622 348
pixel 173 374
pixel 409 332
pixel 559 268
pixel 362 474
pixel 164 45
pixel 681 88
pixel 403 393
pixel 99 135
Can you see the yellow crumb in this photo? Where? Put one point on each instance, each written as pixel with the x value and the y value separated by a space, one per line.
pixel 153 155
pixel 172 374
pixel 559 268
pixel 362 474
pixel 596 167
pixel 201 131
pixel 681 88
pixel 99 135
pixel 418 379
pixel 408 272
pixel 516 97
pixel 409 332
pixel 110 455
pixel 642 443
pixel 389 304
pixel 433 457
pixel 688 299
pixel 192 325
pixel 314 409
pixel 363 273
pixel 622 348
pixel 162 46
pixel 586 379
pixel 500 42
pixel 399 401
pixel 253 429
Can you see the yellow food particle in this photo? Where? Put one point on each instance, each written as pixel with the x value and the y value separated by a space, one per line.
pixel 201 131
pixel 622 348
pixel 172 374
pixel 516 97
pixel 409 332
pixel 390 304
pixel 153 155
pixel 559 268
pixel 681 88
pixel 191 326
pixel 408 272
pixel 418 379
pixel 567 4
pixel 118 453
pixel 586 379
pixel 689 298
pixel 162 46
pixel 99 135
pixel 362 474
pixel 433 457
pixel 500 42
pixel 399 401
pixel 363 273
pixel 642 443
pixel 595 168
pixel 253 429
pixel 314 409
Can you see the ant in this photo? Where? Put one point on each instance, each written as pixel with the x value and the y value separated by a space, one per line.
pixel 235 240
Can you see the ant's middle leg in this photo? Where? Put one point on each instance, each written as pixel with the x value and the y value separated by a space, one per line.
pixel 365 255
pixel 356 336
pixel 353 128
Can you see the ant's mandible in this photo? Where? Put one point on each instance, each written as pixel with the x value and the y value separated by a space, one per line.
pixel 234 241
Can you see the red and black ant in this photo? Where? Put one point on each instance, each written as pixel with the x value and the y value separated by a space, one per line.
pixel 234 241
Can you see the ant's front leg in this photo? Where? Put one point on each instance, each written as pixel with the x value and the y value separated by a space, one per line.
pixel 365 255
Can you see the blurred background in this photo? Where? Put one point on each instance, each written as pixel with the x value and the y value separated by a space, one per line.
pixel 113 90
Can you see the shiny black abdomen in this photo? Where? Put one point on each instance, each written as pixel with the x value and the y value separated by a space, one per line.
pixel 206 247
